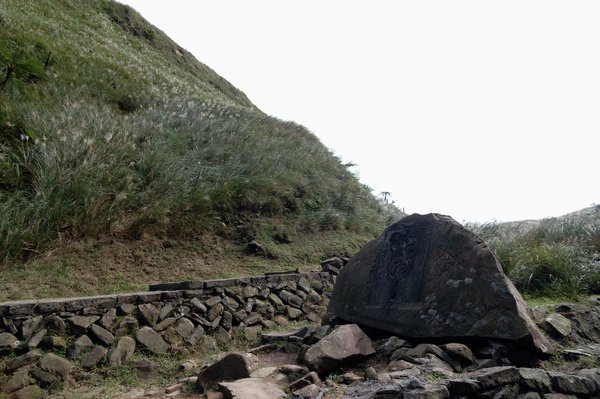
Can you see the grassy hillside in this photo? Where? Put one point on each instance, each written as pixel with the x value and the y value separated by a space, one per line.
pixel 554 257
pixel 110 133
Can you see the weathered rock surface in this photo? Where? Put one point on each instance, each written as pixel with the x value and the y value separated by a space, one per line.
pixel 55 364
pixel 8 341
pixel 251 388
pixel 558 324
pixel 122 351
pixel 345 343
pixel 153 341
pixel 427 276
pixel 233 366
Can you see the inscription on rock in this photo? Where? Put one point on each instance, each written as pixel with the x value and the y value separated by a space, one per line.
pixel 427 276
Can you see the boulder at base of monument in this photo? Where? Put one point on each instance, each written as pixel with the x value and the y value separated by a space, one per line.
pixel 429 277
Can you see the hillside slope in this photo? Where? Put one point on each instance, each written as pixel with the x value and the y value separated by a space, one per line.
pixel 113 136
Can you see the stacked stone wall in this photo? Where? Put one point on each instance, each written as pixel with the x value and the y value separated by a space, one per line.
pixel 45 339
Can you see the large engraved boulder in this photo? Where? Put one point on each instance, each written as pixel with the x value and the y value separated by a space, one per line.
pixel 428 277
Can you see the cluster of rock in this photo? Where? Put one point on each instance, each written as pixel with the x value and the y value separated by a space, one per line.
pixel 392 368
pixel 46 339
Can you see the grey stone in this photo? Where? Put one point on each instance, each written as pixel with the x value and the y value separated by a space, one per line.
pixel 279 305
pixel 35 341
pixel 340 346
pixel 535 379
pixel 127 325
pixel 304 285
pixel 127 308
pixel 122 351
pixel 215 312
pixel 184 327
pixel 149 313
pixel 109 318
pixel 20 361
pixel 392 344
pixel 165 323
pixel 254 388
pixel 80 344
pixel 166 310
pixel 80 324
pixel 494 376
pixel 370 374
pixel 146 369
pixel 104 336
pixel 196 335
pixel 529 395
pixel 53 342
pixel 428 276
pixel 233 366
pixel 291 299
pixel 212 301
pixel 29 392
pixel 8 342
pixel 31 326
pixel 558 324
pixel 227 320
pixel 55 364
pixel 152 340
pixel 428 392
pixel 293 313
pixel 17 381
pixel 232 304
pixel 93 357
pixel 263 372
pixel 459 353
pixel 293 369
pixel 252 319
pixel 222 335
pixel 43 378
pixel 572 384
pixel 198 305
pixel 311 391
pixel 55 324
pixel 249 291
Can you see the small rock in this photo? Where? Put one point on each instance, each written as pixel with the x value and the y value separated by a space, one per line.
pixel 29 392
pixel 152 340
pixel 344 343
pixel 172 388
pixel 232 366
pixel 166 310
pixel 198 305
pixel 535 379
pixel 398 365
pixel 82 343
pixel 93 357
pixel 254 388
pixel 249 291
pixel 459 353
pixel 53 342
pixel 149 313
pixel 17 381
pixel 20 361
pixel 126 309
pixel 558 324
pixel 222 336
pixel 80 324
pixel 293 313
pixel 122 352
pixel 350 377
pixel 184 327
pixel 8 342
pixel 146 369
pixel 429 392
pixel 196 335
pixel 308 392
pixel 30 326
pixel 370 374
pixel 55 364
pixel 392 344
pixel 263 372
pixel 163 325
pixel 209 343
pixel 293 369
pixel 102 335
pixel 35 341
pixel 109 318
pixel 43 378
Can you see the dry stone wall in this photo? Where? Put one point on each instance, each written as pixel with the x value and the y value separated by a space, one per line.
pixel 44 339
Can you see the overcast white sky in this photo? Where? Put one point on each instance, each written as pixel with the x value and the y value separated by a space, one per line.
pixel 477 109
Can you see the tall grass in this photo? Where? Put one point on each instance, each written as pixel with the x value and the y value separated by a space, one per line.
pixel 138 137
pixel 557 257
